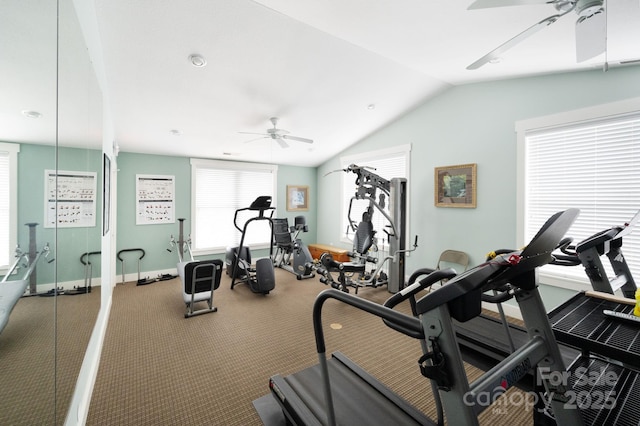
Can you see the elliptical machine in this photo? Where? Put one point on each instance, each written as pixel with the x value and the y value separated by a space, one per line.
pixel 261 278
pixel 292 254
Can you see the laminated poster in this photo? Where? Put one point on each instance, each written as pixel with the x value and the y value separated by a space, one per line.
pixel 154 199
pixel 70 199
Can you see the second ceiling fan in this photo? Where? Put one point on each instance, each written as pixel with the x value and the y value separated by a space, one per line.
pixel 591 25
pixel 279 135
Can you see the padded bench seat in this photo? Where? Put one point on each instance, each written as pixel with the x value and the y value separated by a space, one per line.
pixel 339 255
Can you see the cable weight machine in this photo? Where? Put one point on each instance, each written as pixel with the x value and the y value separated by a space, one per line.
pixel 376 190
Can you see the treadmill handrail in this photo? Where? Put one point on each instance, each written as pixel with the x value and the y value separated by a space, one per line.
pixel 409 292
pixel 404 321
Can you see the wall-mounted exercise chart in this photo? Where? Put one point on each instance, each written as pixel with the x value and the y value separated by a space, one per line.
pixel 72 195
pixel 154 199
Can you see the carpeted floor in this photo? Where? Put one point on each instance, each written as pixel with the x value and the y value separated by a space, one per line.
pixel 158 368
pixel 41 352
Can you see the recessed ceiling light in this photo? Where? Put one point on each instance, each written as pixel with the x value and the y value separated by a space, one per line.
pixel 371 106
pixel 175 132
pixel 197 60
pixel 31 114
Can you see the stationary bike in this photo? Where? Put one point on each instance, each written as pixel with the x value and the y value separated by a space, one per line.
pixel 292 254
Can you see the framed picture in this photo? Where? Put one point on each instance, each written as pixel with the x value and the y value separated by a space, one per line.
pixel 455 186
pixel 297 198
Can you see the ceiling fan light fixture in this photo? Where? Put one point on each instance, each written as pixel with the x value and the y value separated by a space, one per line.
pixel 197 60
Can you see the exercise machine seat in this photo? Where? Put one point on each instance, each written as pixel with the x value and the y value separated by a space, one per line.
pixel 282 235
pixel 363 239
pixel 362 242
pixel 199 280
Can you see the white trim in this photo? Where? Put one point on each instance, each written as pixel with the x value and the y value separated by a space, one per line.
pixel 231 165
pixel 12 149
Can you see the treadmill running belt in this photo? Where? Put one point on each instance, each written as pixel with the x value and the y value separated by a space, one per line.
pixel 358 398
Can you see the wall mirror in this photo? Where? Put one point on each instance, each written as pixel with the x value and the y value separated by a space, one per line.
pixel 50 116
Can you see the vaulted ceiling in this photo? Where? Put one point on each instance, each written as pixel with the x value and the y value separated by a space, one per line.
pixel 333 71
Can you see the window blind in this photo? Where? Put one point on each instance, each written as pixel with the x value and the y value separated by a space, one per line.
pixel 592 166
pixel 219 189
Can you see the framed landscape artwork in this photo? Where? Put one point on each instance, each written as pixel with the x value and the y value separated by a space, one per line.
pixel 455 186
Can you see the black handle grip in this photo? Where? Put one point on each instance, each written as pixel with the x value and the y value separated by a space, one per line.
pixel 128 250
pixel 88 255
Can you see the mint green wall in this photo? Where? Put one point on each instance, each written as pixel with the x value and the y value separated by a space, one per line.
pixel 70 243
pixel 299 176
pixel 474 123
pixel 154 239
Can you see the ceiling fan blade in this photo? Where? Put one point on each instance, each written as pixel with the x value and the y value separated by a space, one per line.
pixel 254 133
pixel 591 36
pixel 495 54
pixel 252 140
pixel 298 139
pixel 484 4
pixel 282 143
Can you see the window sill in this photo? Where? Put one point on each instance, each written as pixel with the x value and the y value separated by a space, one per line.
pixel 565 282
pixel 223 250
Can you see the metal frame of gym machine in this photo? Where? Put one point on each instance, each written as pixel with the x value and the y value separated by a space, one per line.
pixel 368 185
pixel 199 279
pixel 486 336
pixel 253 276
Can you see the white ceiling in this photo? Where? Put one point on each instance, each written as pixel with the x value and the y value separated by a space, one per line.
pixel 315 64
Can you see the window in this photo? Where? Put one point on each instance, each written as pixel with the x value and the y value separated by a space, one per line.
pixel 388 163
pixel 219 188
pixel 589 164
pixel 8 202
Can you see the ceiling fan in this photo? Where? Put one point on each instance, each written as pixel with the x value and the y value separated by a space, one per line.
pixel 591 25
pixel 278 135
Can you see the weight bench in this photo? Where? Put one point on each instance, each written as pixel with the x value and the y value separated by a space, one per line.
pixel 199 280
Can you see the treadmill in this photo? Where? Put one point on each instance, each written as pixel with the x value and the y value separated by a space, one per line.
pixel 337 391
pixel 486 341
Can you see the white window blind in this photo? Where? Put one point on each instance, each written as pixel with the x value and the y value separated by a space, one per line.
pixel 8 202
pixel 388 163
pixel 219 188
pixel 593 166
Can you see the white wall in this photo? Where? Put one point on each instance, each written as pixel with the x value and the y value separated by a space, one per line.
pixel 474 124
